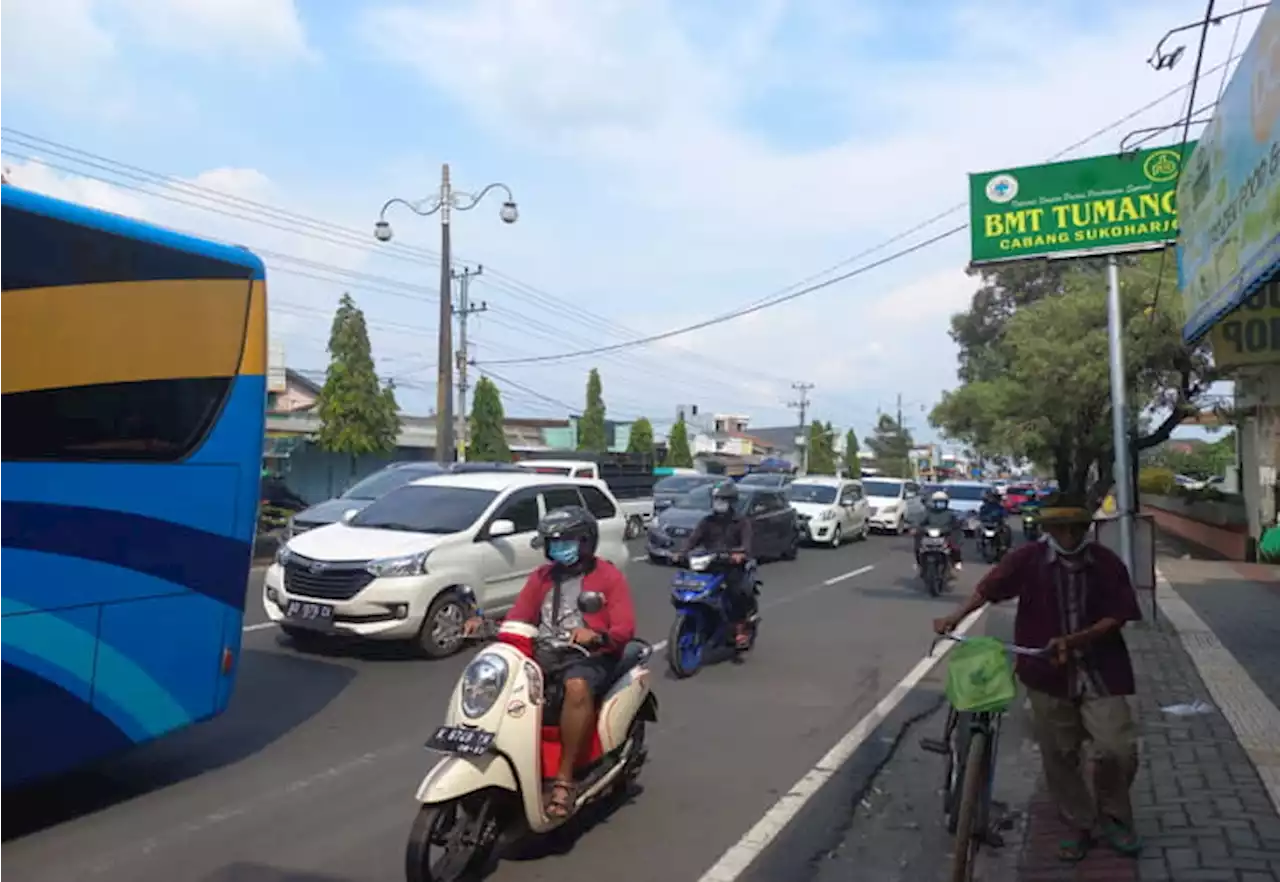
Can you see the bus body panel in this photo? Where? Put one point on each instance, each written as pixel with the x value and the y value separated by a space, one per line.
pixel 134 362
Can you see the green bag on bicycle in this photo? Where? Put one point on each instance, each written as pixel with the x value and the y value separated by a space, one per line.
pixel 980 676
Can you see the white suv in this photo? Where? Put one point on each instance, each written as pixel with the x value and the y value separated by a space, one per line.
pixel 393 570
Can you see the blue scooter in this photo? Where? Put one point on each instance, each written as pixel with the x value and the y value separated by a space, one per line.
pixel 702 621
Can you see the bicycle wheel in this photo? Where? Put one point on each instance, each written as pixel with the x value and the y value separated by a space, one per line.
pixel 969 814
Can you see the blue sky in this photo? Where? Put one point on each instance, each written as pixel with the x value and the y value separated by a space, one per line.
pixel 672 161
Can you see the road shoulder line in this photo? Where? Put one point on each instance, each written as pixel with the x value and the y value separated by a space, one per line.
pixel 739 857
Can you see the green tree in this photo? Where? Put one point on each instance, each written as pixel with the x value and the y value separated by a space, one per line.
pixel 358 415
pixel 678 455
pixel 1047 398
pixel 641 440
pixel 852 463
pixel 822 460
pixel 592 435
pixel 891 445
pixel 488 440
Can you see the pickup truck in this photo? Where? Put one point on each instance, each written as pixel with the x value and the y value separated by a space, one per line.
pixel 631 484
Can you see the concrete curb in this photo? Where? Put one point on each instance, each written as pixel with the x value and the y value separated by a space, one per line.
pixel 1246 708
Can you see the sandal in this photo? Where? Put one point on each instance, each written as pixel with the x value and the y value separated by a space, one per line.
pixel 561 798
pixel 1121 838
pixel 1072 851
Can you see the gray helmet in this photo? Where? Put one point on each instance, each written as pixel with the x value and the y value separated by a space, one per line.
pixel 725 490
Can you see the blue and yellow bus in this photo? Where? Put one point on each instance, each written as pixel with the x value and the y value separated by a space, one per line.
pixel 134 363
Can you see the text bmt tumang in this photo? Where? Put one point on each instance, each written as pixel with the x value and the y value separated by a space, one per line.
pixel 1083 220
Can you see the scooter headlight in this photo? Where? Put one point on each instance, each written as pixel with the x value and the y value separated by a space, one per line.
pixel 482 683
pixel 699 562
pixel 935 534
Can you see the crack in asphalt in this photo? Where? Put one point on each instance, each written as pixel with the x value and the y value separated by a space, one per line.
pixel 839 831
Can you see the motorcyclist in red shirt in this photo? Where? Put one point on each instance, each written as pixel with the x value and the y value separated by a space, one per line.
pixel 549 601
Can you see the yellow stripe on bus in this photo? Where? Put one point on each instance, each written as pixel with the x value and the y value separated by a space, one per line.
pixel 253 360
pixel 120 332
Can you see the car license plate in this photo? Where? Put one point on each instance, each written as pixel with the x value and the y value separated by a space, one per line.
pixel 468 742
pixel 313 615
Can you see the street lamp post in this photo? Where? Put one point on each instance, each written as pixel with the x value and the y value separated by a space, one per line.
pixel 446 201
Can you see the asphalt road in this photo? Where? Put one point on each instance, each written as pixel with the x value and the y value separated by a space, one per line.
pixel 309 777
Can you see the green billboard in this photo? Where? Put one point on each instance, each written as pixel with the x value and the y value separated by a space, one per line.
pixel 1075 208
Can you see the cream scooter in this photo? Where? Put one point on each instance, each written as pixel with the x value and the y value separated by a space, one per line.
pixel 501 737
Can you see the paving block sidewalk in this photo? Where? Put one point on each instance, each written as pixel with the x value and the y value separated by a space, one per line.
pixel 1208 786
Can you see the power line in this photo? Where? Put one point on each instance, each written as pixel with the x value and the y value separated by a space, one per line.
pixel 747 310
pixel 287 221
pixel 789 294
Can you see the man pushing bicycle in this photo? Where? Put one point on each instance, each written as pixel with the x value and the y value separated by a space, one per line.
pixel 1074 597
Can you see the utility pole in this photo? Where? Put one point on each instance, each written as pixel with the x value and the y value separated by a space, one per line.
pixel 464 310
pixel 803 405
pixel 900 426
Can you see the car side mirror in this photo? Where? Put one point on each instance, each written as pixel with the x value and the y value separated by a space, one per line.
pixel 501 527
pixel 591 602
pixel 349 514
pixel 536 542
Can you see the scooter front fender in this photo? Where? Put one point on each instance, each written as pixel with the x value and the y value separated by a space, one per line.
pixel 455 776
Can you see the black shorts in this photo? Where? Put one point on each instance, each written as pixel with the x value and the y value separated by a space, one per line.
pixel 597 671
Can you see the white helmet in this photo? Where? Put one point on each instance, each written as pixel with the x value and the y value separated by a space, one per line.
pixel 938 500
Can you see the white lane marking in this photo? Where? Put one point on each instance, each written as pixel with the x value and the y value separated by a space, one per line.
pixel 734 862
pixel 258 627
pixel 849 575
pixel 639 557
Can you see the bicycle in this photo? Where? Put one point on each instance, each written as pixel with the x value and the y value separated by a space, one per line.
pixel 970 742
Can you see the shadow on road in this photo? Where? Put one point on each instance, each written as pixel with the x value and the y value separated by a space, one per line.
pixel 274 694
pixel 324 646
pixel 563 840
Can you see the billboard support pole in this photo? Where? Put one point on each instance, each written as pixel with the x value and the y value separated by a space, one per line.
pixel 1119 414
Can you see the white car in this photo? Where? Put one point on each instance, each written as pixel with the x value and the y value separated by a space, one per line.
pixel 394 570
pixel 830 510
pixel 895 503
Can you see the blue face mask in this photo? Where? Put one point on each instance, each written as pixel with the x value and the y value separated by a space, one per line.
pixel 563 551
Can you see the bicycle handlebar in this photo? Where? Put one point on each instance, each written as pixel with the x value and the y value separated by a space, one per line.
pixel 1011 647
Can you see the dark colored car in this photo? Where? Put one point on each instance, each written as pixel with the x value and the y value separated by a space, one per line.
pixel 775 531
pixel 275 493
pixel 672 487
pixel 379 484
pixel 766 479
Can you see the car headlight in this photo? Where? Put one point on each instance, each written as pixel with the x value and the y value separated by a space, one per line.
pixel 391 567
pixel 482 683
pixel 828 514
pixel 283 554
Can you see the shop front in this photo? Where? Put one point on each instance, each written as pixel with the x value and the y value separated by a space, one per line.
pixel 1229 258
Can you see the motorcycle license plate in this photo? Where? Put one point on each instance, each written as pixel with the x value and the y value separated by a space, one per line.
pixel 468 742
pixel 933 544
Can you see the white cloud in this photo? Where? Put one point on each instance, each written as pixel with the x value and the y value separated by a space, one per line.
pixel 53 46
pixel 262 30
pixel 666 118
pixel 35 175
pixel 661 112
